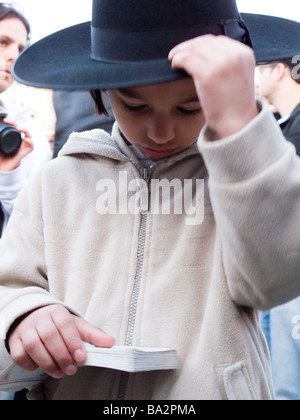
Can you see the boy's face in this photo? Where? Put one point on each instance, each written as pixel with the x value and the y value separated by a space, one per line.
pixel 162 119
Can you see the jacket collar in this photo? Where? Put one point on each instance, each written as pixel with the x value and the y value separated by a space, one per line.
pixel 98 142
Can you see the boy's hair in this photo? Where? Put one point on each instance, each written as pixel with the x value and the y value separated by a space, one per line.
pixel 98 99
pixel 13 10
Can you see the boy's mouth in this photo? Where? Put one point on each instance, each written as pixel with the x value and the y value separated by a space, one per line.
pixel 160 152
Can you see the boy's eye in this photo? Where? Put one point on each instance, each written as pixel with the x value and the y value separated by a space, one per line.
pixel 134 108
pixel 189 111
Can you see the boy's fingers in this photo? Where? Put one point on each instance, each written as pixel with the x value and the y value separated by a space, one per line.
pixel 56 347
pixel 93 335
pixel 66 325
pixel 179 47
pixel 21 358
pixel 30 353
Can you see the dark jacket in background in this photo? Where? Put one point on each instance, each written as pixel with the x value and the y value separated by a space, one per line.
pixel 291 128
pixel 75 111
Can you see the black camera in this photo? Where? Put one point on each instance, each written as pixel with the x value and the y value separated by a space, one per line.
pixel 10 138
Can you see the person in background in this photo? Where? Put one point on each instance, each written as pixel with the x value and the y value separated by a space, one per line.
pixel 34 150
pixel 278 80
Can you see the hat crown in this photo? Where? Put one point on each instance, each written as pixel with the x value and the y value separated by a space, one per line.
pixel 143 15
pixel 142 30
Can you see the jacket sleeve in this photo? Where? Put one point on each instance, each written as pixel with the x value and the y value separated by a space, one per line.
pixel 255 193
pixel 23 274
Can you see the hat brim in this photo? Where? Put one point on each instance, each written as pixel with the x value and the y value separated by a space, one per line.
pixel 63 61
pixel 273 38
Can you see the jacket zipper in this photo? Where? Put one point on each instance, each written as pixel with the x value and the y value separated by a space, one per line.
pixel 145 205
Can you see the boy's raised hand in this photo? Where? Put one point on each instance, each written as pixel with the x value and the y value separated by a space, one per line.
pixel 52 338
pixel 223 73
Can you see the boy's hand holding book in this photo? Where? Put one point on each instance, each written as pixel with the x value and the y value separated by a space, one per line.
pixel 52 338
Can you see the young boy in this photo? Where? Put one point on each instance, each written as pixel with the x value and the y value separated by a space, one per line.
pixel 96 252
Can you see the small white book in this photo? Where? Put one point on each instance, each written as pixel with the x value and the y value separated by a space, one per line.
pixel 123 358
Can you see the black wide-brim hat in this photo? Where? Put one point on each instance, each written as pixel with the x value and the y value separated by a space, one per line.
pixel 126 44
pixel 273 38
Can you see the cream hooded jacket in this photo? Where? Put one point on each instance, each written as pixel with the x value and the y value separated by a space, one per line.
pixel 177 281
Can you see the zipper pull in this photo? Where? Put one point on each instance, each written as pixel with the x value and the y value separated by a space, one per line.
pixel 146 174
pixel 145 193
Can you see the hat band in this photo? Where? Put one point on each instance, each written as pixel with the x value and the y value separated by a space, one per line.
pixel 114 46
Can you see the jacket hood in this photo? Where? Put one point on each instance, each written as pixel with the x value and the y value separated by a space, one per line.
pixel 94 142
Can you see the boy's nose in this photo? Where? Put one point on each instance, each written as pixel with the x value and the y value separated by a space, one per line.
pixel 161 130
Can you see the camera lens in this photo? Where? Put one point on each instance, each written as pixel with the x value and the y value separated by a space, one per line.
pixel 10 139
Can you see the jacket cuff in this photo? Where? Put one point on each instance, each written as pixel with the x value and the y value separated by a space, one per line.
pixel 246 153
